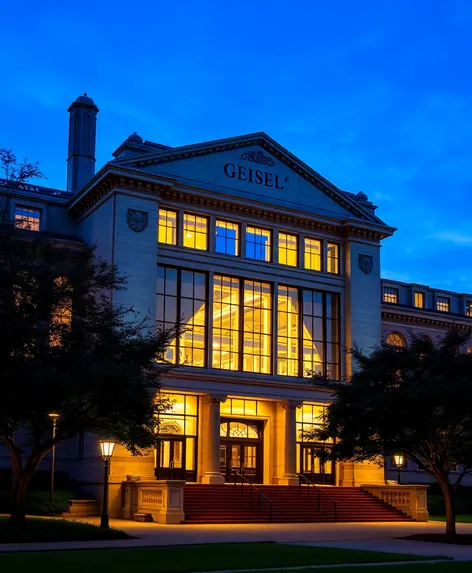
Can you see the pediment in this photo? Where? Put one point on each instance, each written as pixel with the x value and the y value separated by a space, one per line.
pixel 255 168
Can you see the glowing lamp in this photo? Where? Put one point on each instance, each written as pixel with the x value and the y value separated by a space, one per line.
pixel 106 449
pixel 399 459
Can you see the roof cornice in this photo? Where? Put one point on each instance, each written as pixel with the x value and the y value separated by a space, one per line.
pixel 423 319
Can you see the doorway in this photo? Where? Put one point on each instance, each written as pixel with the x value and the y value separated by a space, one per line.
pixel 316 464
pixel 241 449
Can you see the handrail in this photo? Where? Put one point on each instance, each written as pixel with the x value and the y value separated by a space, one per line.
pixel 253 487
pixel 319 491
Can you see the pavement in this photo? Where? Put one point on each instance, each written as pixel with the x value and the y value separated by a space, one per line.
pixel 368 536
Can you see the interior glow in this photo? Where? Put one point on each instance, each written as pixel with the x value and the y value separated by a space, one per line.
pixel 61 312
pixel 333 258
pixel 288 249
pixel 288 331
pixel 226 327
pixel 27 218
pixel 195 232
pixel 167 232
pixel 312 254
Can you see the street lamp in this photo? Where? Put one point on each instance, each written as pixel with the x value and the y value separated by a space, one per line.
pixel 106 451
pixel 399 460
pixel 53 416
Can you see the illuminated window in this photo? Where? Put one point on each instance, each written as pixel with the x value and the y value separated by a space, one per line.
pixel 333 258
pixel 288 331
pixel 239 407
pixel 27 218
pixel 396 339
pixel 227 238
pixel 258 244
pixel 288 249
pixel 313 254
pixel 181 302
pixel 468 307
pixel 309 416
pixel 321 350
pixel 195 232
pixel 390 295
pixel 167 227
pixel 226 327
pixel 257 329
pixel 442 304
pixel 239 430
pixel 419 299
pixel 61 312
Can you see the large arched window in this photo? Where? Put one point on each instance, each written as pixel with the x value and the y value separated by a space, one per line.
pixel 238 430
pixel 396 339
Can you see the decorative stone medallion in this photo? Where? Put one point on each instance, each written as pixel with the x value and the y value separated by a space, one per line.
pixel 137 220
pixel 366 263
pixel 258 157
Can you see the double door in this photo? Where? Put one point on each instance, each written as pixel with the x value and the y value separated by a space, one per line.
pixel 171 458
pixel 241 457
pixel 316 464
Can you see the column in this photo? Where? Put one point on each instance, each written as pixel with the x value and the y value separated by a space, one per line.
pixel 213 475
pixel 290 447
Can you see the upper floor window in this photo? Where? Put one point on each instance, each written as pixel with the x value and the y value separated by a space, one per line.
pixel 396 339
pixel 227 238
pixel 468 307
pixel 27 218
pixel 167 227
pixel 195 232
pixel 288 249
pixel 419 299
pixel 390 295
pixel 442 304
pixel 258 244
pixel 312 254
pixel 333 258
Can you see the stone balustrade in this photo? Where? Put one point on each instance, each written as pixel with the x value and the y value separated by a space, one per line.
pixel 162 499
pixel 412 499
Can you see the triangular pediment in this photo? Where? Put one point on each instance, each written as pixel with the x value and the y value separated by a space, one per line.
pixel 255 168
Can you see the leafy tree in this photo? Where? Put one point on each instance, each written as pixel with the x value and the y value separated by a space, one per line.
pixel 20 172
pixel 416 400
pixel 65 348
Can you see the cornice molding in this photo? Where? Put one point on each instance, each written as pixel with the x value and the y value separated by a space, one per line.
pixel 424 320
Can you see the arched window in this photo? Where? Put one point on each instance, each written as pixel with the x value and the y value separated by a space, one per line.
pixel 396 339
pixel 238 430
pixel 171 428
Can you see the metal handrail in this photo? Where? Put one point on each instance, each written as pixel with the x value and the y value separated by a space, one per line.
pixel 319 491
pixel 253 487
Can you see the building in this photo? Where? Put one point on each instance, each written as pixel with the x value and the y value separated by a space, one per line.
pixel 274 272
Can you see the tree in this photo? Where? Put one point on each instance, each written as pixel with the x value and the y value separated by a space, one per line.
pixel 416 400
pixel 20 172
pixel 65 348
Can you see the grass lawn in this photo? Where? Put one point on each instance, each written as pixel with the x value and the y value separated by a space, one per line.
pixel 453 567
pixel 37 529
pixel 467 518
pixel 37 502
pixel 186 558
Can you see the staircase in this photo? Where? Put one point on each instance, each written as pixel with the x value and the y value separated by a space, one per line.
pixel 290 504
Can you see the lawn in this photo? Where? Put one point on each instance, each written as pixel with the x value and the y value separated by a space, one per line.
pixel 184 559
pixel 37 529
pixel 467 518
pixel 455 567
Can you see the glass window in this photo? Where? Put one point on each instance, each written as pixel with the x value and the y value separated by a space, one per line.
pixel 195 232
pixel 239 407
pixel 396 339
pixel 313 254
pixel 442 304
pixel 227 238
pixel 181 302
pixel 257 329
pixel 390 295
pixel 309 416
pixel 61 314
pixel 288 331
pixel 167 227
pixel 333 258
pixel 419 299
pixel 321 350
pixel 468 307
pixel 27 218
pixel 258 244
pixel 226 327
pixel 288 249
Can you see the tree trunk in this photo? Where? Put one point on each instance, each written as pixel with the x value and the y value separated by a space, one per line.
pixel 18 500
pixel 448 493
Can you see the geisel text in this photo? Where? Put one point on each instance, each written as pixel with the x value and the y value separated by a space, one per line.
pixel 251 175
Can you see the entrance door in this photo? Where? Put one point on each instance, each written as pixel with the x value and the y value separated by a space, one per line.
pixel 314 464
pixel 171 456
pixel 241 449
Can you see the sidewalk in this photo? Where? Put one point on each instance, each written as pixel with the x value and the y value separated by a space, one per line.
pixel 364 535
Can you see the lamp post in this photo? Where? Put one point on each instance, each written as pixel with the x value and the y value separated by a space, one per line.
pixel 53 416
pixel 106 451
pixel 399 460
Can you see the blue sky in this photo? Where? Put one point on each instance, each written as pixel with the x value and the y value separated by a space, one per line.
pixel 376 96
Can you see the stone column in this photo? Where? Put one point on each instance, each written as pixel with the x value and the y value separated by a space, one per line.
pixel 290 447
pixel 213 475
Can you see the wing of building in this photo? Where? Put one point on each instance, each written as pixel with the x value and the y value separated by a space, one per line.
pixel 271 270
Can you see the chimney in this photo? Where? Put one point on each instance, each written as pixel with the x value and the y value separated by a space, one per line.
pixel 82 131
